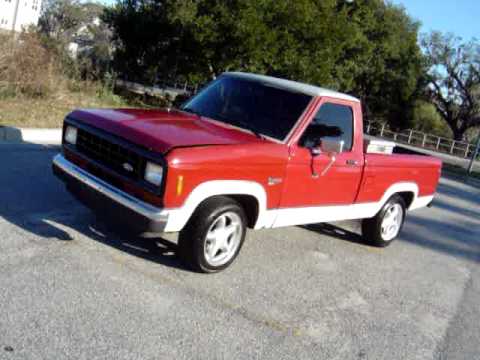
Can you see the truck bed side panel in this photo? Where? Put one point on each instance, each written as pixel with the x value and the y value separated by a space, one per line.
pixel 382 171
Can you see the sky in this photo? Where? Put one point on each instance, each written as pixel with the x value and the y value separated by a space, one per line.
pixel 461 17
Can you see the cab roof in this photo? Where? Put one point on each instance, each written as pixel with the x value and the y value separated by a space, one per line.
pixel 293 86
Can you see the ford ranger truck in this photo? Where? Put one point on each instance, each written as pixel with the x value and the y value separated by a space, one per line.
pixel 248 151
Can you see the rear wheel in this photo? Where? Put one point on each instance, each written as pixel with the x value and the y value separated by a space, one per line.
pixel 214 235
pixel 384 227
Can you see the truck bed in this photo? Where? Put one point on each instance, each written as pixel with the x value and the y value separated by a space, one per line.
pixel 381 171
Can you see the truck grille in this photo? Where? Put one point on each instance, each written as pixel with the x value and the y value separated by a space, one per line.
pixel 110 155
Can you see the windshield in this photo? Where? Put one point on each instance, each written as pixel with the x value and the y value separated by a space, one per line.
pixel 251 105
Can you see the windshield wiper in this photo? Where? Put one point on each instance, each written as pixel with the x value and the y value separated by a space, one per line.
pixel 191 111
pixel 240 123
pixel 247 126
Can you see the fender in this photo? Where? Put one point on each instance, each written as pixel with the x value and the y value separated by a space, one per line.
pixel 179 217
pixel 398 188
pixel 417 201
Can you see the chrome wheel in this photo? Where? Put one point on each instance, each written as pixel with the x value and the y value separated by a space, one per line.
pixel 223 239
pixel 392 222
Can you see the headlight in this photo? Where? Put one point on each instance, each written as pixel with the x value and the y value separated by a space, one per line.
pixel 153 173
pixel 71 135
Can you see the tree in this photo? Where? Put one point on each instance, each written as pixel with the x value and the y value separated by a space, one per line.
pixel 382 62
pixel 427 119
pixel 454 80
pixel 366 47
pixel 74 32
pixel 60 19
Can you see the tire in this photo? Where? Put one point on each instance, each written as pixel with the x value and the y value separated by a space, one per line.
pixel 382 229
pixel 214 235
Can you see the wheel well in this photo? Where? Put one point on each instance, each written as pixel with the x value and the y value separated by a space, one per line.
pixel 250 205
pixel 408 197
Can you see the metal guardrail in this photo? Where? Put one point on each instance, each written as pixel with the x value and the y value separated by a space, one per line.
pixel 161 89
pixel 421 139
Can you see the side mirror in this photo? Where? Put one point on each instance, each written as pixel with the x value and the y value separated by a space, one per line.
pixel 331 147
pixel 316 151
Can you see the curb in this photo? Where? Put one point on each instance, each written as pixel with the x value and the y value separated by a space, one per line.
pixel 13 135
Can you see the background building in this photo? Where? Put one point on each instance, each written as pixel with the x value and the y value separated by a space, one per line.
pixel 17 14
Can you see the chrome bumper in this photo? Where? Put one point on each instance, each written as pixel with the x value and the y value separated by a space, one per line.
pixel 156 217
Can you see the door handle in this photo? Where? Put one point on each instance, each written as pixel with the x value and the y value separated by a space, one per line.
pixel 352 162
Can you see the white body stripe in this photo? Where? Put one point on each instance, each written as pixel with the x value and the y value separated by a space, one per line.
pixel 420 202
pixel 177 218
pixel 318 214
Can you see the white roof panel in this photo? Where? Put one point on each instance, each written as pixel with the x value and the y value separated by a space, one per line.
pixel 294 86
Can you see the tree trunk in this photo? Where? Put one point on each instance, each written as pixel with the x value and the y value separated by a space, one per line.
pixel 458 134
pixel 457 130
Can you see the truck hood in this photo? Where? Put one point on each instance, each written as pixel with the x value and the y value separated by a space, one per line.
pixel 162 130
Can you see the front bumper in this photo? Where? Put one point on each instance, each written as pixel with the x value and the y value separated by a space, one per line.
pixel 108 201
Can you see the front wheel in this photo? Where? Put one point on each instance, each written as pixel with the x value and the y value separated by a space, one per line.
pixel 384 227
pixel 214 235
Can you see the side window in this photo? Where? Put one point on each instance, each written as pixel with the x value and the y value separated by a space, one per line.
pixel 332 121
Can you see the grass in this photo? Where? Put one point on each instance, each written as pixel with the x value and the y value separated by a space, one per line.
pixel 39 85
pixel 49 111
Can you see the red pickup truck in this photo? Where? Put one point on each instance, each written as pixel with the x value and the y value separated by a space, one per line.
pixel 248 151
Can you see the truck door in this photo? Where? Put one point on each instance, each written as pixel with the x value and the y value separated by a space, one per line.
pixel 310 182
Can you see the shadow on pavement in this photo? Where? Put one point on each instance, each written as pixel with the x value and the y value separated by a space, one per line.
pixel 10 134
pixel 456 232
pixel 459 210
pixel 152 248
pixel 459 240
pixel 468 194
pixel 33 199
pixel 336 232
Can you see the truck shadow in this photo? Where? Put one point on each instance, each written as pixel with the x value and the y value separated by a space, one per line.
pixel 337 232
pixel 34 201
pixel 153 248
pixel 451 227
pixel 460 239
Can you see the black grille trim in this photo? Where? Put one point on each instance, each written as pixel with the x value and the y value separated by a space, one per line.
pixel 136 153
pixel 111 155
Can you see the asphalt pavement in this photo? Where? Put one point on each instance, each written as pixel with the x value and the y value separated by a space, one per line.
pixel 73 287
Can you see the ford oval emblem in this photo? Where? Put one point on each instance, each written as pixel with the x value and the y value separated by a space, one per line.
pixel 128 167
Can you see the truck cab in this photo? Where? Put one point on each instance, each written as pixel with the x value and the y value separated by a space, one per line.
pixel 248 151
